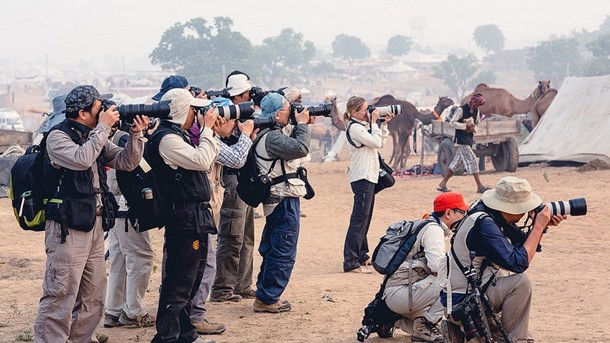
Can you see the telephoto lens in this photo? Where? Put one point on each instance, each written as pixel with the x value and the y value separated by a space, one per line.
pixel 572 207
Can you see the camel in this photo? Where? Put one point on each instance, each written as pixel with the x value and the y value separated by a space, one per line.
pixel 401 127
pixel 541 105
pixel 502 102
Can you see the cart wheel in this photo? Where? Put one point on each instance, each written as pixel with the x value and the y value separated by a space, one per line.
pixel 445 154
pixel 507 157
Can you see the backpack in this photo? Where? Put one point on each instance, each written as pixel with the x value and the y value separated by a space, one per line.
pixel 451 113
pixel 27 189
pixel 147 208
pixel 253 186
pixel 389 254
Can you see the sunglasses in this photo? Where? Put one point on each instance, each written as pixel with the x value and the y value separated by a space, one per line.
pixel 459 210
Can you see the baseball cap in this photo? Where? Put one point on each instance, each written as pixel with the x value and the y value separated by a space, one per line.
pixel 449 200
pixel 171 82
pixel 81 97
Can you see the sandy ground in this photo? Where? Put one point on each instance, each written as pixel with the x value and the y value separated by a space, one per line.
pixel 571 277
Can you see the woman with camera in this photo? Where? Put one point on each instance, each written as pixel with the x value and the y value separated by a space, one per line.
pixel 365 136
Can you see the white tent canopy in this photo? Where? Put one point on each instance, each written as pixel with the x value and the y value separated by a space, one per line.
pixel 576 127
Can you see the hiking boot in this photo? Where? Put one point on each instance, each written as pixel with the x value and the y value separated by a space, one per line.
pixel 361 270
pixel 141 321
pixel 206 327
pixel 247 293
pixel 278 307
pixel 203 340
pixel 225 297
pixel 111 321
pixel 425 331
pixel 100 338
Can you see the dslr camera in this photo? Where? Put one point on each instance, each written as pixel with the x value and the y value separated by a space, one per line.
pixel 257 94
pixel 572 207
pixel 465 313
pixel 224 93
pixel 128 112
pixel 384 110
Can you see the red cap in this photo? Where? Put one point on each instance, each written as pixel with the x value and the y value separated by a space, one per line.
pixel 449 200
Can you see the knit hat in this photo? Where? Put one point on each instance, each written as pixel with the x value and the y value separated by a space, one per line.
pixel 271 104
pixel 511 195
pixel 448 201
pixel 171 82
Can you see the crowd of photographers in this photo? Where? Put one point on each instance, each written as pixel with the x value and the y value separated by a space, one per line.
pixel 196 149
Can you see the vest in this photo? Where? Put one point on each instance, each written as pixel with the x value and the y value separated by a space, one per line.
pixel 462 137
pixel 74 201
pixel 292 187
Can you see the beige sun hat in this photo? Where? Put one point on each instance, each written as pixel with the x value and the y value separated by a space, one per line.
pixel 238 84
pixel 511 195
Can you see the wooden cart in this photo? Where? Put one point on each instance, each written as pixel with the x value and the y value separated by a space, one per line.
pixel 495 137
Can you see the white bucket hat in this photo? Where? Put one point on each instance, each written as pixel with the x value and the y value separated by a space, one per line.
pixel 238 83
pixel 181 100
pixel 511 195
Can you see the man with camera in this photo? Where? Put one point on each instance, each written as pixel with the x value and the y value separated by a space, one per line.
pixel 234 255
pixel 412 291
pixel 81 208
pixel 279 153
pixel 179 166
pixel 497 252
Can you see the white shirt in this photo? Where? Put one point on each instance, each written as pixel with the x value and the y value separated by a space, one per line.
pixel 364 160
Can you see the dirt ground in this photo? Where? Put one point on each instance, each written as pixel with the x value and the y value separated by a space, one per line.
pixel 571 277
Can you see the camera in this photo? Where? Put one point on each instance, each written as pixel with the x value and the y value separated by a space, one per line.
pixel 384 110
pixel 573 207
pixel 128 112
pixel 257 94
pixel 265 122
pixel 463 313
pixel 241 111
pixel 319 110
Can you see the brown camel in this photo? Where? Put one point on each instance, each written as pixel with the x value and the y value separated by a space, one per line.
pixel 541 105
pixel 502 102
pixel 401 127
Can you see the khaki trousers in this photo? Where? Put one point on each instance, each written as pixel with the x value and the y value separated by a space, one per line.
pixel 513 296
pixel 131 261
pixel 424 303
pixel 76 264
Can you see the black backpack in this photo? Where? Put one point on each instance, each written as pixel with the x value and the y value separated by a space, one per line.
pixel 253 186
pixel 27 189
pixel 147 208
pixel 389 254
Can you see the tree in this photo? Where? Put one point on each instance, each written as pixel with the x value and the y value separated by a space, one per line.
pixel 399 45
pixel 284 55
pixel 600 65
pixel 556 59
pixel 201 52
pixel 489 38
pixel 600 47
pixel 350 48
pixel 456 72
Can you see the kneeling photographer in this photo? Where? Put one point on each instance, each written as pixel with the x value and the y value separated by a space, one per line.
pixel 489 255
pixel 278 153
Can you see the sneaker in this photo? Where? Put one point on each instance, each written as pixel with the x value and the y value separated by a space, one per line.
pixel 361 270
pixel 203 340
pixel 111 321
pixel 425 331
pixel 142 321
pixel 248 293
pixel 206 327
pixel 225 297
pixel 100 338
pixel 278 307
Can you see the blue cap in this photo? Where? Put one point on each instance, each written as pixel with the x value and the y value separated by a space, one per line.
pixel 271 104
pixel 171 82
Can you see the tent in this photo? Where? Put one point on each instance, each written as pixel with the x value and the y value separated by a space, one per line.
pixel 576 127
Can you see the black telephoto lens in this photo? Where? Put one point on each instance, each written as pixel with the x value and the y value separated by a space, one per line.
pixel 157 110
pixel 265 122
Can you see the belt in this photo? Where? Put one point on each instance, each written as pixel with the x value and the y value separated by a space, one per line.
pixel 186 205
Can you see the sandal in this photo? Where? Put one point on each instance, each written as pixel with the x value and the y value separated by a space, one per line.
pixel 443 189
pixel 482 189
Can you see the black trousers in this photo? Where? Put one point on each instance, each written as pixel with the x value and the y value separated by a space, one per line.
pixel 186 256
pixel 356 248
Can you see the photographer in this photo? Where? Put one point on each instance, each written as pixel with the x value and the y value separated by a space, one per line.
pixel 281 232
pixel 502 252
pixel 235 249
pixel 363 175
pixel 412 291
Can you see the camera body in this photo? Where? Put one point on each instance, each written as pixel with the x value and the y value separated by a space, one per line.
pixel 573 207
pixel 257 94
pixel 465 312
pixel 319 110
pixel 128 112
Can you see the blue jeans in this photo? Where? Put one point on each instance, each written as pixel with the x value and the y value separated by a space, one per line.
pixel 278 248
pixel 356 248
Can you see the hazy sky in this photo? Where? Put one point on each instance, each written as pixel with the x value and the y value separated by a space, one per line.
pixel 68 31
